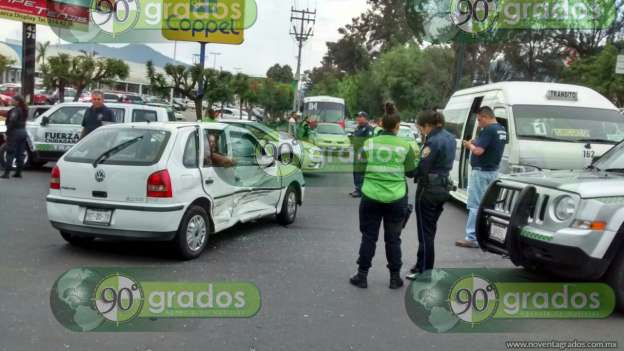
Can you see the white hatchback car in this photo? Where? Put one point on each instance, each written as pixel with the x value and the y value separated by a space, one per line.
pixel 176 182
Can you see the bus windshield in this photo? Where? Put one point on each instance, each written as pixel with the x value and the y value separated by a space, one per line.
pixel 331 112
pixel 571 124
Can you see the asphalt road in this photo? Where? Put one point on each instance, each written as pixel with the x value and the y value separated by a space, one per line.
pixel 301 271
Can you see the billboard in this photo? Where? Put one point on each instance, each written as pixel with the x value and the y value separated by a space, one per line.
pixel 55 13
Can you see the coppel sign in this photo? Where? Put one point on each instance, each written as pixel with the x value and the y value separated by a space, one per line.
pixel 209 21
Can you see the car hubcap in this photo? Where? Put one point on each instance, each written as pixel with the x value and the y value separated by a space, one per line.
pixel 291 205
pixel 196 233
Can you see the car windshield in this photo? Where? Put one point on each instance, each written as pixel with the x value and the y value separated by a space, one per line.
pixel 146 151
pixel 333 129
pixel 612 160
pixel 573 124
pixel 406 133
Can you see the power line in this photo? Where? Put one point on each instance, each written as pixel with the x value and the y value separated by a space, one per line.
pixel 302 29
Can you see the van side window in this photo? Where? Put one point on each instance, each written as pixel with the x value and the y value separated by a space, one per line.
pixel 191 152
pixel 454 121
pixel 144 116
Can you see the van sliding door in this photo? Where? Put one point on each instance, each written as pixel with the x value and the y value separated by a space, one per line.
pixel 468 134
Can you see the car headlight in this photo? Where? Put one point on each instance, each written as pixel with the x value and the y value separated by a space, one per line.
pixel 565 208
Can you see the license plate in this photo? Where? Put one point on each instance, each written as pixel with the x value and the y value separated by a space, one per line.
pixel 498 232
pixel 98 216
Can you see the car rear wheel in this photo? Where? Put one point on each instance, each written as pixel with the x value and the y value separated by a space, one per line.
pixel 76 240
pixel 193 233
pixel 615 278
pixel 288 213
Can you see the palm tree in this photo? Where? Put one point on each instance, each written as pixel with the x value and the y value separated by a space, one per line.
pixel 41 52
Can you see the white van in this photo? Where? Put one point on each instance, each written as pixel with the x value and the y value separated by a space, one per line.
pixel 549 126
pixel 58 129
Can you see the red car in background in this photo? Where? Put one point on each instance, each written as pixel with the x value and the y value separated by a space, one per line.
pixel 8 90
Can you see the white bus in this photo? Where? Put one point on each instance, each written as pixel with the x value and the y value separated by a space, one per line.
pixel 325 109
pixel 549 126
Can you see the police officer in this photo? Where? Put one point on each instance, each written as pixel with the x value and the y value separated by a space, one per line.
pixel 432 177
pixel 17 137
pixel 384 198
pixel 362 132
pixel 96 115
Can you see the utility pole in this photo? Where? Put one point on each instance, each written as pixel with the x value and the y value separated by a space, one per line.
pixel 302 29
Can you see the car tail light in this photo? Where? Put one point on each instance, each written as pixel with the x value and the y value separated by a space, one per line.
pixel 55 180
pixel 159 185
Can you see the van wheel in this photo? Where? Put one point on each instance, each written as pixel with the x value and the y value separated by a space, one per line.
pixel 193 233
pixel 288 213
pixel 76 240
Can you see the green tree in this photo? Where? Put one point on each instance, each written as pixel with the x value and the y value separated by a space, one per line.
pixel 281 74
pixel 184 81
pixel 598 72
pixel 91 70
pixel 275 97
pixel 5 62
pixel 42 49
pixel 56 75
pixel 242 89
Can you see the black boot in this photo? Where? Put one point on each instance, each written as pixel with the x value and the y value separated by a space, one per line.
pixel 360 279
pixel 17 174
pixel 395 280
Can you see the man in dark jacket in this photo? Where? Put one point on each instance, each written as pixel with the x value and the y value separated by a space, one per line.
pixel 96 115
pixel 362 132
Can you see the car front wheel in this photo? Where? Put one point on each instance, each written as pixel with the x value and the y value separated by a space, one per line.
pixel 193 233
pixel 615 278
pixel 288 213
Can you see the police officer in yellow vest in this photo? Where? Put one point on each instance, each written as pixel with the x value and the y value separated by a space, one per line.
pixel 389 159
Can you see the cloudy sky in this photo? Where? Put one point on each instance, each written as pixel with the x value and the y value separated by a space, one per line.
pixel 266 43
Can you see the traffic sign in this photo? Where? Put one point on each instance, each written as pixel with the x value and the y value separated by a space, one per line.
pixel 619 66
pixel 205 21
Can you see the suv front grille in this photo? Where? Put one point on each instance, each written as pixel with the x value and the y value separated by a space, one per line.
pixel 506 200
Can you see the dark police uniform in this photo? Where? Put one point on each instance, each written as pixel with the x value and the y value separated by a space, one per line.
pixel 437 157
pixel 384 197
pixel 94 117
pixel 360 135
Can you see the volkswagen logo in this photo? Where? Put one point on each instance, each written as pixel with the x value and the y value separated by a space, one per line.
pixel 100 175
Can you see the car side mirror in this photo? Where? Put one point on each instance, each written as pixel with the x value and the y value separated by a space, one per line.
pixel 45 121
pixel 266 161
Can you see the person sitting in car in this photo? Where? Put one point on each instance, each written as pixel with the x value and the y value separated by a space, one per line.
pixel 214 157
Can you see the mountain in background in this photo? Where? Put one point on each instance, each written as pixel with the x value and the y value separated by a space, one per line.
pixel 138 53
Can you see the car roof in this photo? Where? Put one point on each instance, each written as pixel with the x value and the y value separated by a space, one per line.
pixel 534 93
pixel 110 105
pixel 173 126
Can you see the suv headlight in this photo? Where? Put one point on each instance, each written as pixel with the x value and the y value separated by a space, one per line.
pixel 565 208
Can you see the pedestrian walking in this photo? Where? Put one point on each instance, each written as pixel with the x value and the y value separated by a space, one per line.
pixel 292 124
pixel 362 132
pixel 432 177
pixel 486 154
pixel 17 138
pixel 211 116
pixel 96 115
pixel 389 159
